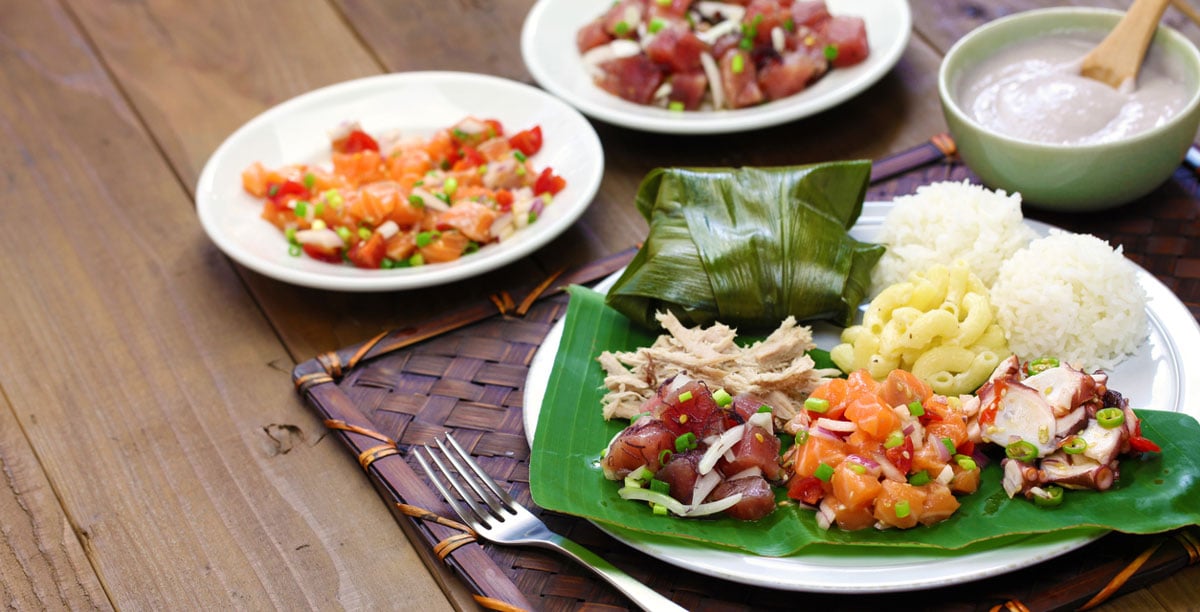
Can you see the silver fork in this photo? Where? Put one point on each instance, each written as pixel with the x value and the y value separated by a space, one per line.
pixel 493 514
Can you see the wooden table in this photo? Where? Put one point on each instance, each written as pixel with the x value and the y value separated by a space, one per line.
pixel 154 452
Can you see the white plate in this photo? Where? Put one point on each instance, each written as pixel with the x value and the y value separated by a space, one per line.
pixel 548 47
pixel 415 103
pixel 1155 377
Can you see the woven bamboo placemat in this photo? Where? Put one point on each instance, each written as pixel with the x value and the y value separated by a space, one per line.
pixel 464 373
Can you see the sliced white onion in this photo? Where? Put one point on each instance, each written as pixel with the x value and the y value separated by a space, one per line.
pixel 388 229
pixel 716 451
pixel 663 91
pixel 825 514
pixel 714 507
pixel 747 473
pixel 713 73
pixel 712 10
pixel 429 200
pixel 705 485
pixel 778 39
pixel 836 425
pixel 890 471
pixel 762 419
pixel 617 49
pixel 946 475
pixel 324 238
pixel 677 382
pixel 502 226
pixel 674 506
pixel 711 35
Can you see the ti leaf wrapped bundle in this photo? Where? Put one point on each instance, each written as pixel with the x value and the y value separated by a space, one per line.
pixel 749 246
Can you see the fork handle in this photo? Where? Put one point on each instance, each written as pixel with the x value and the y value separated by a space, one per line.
pixel 645 597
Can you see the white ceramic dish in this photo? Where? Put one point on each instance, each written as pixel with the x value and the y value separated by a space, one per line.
pixel 416 103
pixel 548 47
pixel 1155 377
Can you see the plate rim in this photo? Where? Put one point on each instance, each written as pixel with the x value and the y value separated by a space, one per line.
pixel 584 189
pixel 1160 301
pixel 641 117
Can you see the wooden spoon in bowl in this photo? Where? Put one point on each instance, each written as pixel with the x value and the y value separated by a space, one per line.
pixel 1117 59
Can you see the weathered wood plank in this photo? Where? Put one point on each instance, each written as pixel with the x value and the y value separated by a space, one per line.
pixel 156 412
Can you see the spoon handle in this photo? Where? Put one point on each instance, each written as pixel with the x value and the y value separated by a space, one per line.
pixel 1118 57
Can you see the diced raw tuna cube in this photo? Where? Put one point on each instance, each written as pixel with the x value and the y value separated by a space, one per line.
pixel 849 36
pixel 633 78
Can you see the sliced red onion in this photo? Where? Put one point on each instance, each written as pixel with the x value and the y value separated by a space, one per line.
pixel 824 433
pixel 866 462
pixel 890 471
pixel 716 451
pixel 943 453
pixel 908 429
pixel 537 206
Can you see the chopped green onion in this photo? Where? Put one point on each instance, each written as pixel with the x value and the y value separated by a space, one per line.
pixel 685 442
pixel 916 409
pixel 1053 497
pixel 310 179
pixel 902 509
pixel 1075 445
pixel 290 234
pixel 764 408
pixel 744 44
pixel 424 238
pixel 722 397
pixel 472 246
pixel 658 509
pixel 663 456
pixel 920 478
pixel 450 186
pixel 333 197
pixel 824 472
pixel 894 439
pixel 301 208
pixel 520 170
pixel 801 437
pixel 387 263
pixel 663 2
pixel 621 29
pixel 520 155
pixel 1022 451
pixel 443 197
pixel 416 260
pixel 295 250
pixel 319 209
pixel 656 24
pixel 318 224
pixel 532 217
pixel 858 468
pixel 965 462
pixel 416 200
pixel 816 404
pixel 273 190
pixel 676 106
pixel 1110 418
pixel 659 485
pixel 738 63
pixel 1040 365
pixel 789 24
pixel 343 232
pixel 685 396
pixel 831 52
pixel 949 444
pixel 364 233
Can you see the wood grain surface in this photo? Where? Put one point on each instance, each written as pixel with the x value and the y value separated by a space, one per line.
pixel 154 452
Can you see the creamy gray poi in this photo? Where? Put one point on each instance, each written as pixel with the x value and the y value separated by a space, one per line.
pixel 1033 90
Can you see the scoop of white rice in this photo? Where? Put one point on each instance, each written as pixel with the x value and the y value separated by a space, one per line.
pixel 1073 297
pixel 948 221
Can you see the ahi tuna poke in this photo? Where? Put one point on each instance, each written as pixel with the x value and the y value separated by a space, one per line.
pixel 704 55
pixel 395 202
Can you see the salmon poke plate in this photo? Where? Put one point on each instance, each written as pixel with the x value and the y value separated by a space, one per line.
pixel 399 181
pixel 703 66
pixel 818 393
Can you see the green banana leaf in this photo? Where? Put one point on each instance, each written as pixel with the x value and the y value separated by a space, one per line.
pixel 1155 493
pixel 749 246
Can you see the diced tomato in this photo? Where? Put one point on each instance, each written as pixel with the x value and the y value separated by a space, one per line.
pixel 806 489
pixel 548 182
pixel 368 253
pixel 468 157
pixel 323 254
pixel 901 456
pixel 279 193
pixel 528 141
pixel 496 127
pixel 504 198
pixel 356 141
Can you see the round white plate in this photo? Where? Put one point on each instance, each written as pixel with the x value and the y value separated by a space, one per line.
pixel 552 57
pixel 1155 378
pixel 414 103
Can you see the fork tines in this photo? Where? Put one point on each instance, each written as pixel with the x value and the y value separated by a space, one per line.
pixel 468 479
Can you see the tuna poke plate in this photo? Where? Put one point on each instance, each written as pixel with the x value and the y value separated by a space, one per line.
pixel 1154 376
pixel 698 66
pixel 399 181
